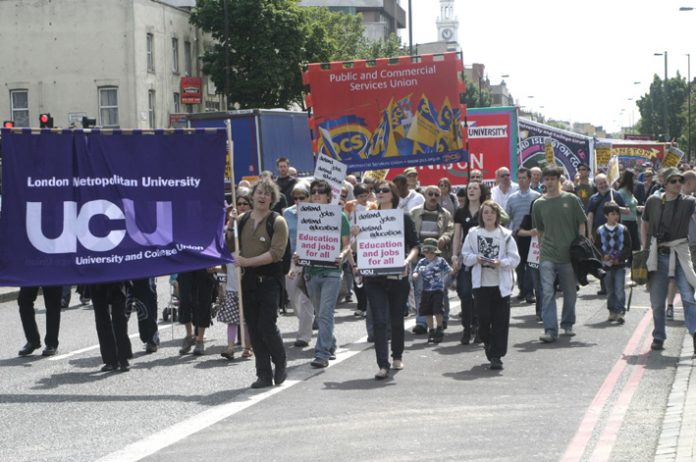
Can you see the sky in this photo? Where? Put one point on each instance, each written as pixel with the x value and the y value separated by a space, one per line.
pixel 570 60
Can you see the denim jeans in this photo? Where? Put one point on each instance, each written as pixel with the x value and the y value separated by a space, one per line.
pixel 614 281
pixel 386 298
pixel 418 290
pixel 566 277
pixel 323 291
pixel 658 282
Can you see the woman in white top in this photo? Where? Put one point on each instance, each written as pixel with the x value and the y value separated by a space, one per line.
pixel 491 251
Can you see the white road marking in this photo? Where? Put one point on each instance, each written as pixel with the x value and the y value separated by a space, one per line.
pixel 77 352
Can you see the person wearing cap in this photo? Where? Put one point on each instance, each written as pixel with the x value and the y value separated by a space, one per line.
pixel 434 272
pixel 664 233
pixel 411 175
pixel 491 251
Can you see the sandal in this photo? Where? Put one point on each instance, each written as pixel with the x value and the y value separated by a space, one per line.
pixel 247 353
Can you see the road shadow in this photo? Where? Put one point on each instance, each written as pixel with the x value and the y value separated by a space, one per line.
pixel 603 325
pixel 527 321
pixel 73 378
pixel 360 384
pixel 562 342
pixel 21 361
pixel 476 372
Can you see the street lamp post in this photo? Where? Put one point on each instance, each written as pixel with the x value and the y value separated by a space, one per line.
pixel 410 29
pixel 664 99
pixel 688 117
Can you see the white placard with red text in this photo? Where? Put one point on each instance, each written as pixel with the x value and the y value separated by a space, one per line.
pixel 318 234
pixel 380 244
pixel 534 253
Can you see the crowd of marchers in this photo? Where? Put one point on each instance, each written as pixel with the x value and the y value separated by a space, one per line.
pixel 530 239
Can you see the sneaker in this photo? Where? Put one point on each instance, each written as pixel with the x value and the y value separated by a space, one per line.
pixel 319 363
pixel 109 367
pixel 466 337
pixel 620 318
pixel 28 349
pixel 382 374
pixel 548 337
pixel 398 364
pixel 520 297
pixel 439 335
pixel 612 317
pixel 359 313
pixel 151 347
pixel 657 345
pixel 123 366
pixel 228 353
pixel 301 343
pixel 199 349
pixel 280 374
pixel 496 364
pixel 431 336
pixel 332 356
pixel 187 344
pixel 49 351
pixel 539 320
pixel 530 300
pixel 419 329
pixel 669 312
pixel 568 332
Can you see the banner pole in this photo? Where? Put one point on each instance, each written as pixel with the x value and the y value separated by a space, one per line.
pixel 238 275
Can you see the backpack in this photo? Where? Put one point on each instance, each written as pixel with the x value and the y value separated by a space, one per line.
pixel 284 264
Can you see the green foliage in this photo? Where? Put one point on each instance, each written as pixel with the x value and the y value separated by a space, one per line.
pixel 477 95
pixel 660 101
pixel 270 40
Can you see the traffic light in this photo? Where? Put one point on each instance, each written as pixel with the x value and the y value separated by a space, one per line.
pixel 45 120
pixel 8 124
pixel 87 122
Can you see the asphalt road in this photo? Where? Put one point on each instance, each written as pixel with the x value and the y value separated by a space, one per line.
pixel 600 395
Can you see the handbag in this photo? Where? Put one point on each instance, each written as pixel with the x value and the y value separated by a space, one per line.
pixel 639 267
pixel 229 308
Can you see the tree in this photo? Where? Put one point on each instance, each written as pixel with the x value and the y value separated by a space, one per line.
pixel 266 43
pixel 477 95
pixel 652 108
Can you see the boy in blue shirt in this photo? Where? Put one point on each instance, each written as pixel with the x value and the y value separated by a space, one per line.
pixel 433 270
pixel 614 243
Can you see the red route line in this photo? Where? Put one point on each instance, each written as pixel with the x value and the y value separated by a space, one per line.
pixel 577 445
pixel 607 439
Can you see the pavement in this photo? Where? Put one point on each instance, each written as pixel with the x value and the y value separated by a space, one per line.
pixel 8 294
pixel 602 395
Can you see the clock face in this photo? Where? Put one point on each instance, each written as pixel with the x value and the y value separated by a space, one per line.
pixel 447 34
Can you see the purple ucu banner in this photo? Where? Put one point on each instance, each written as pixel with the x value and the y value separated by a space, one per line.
pixel 83 207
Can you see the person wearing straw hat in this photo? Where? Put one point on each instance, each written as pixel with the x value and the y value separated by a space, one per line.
pixel 433 270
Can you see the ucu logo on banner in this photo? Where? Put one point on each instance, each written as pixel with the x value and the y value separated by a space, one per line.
pixel 76 227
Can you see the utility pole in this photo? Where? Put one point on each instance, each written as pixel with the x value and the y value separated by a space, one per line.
pixel 410 29
pixel 688 120
pixel 227 53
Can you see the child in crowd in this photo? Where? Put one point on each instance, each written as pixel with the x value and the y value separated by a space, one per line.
pixel 614 243
pixel 433 270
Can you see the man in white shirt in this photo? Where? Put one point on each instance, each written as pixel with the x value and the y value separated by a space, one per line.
pixel 505 187
pixel 408 198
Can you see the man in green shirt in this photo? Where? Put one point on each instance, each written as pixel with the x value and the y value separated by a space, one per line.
pixel 560 219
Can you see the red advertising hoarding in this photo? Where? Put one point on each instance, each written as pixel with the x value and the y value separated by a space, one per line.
pixel 492 144
pixel 383 113
pixel 191 90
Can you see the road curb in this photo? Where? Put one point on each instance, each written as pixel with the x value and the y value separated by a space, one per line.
pixel 677 440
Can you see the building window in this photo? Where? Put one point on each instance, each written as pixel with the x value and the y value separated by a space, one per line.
pixel 175 55
pixel 188 58
pixel 108 107
pixel 150 53
pixel 19 107
pixel 177 102
pixel 151 107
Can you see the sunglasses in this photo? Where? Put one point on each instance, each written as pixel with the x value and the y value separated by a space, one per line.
pixel 503 175
pixel 299 198
pixel 384 190
pixel 434 194
pixel 676 180
pixel 320 191
pixel 240 203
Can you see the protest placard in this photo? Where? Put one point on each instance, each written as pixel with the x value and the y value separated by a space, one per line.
pixel 332 171
pixel 380 243
pixel 534 253
pixel 318 234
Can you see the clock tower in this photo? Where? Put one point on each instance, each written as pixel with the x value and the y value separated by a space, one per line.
pixel 447 23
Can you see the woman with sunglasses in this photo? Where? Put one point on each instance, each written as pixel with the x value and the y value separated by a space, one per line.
pixel 465 218
pixel 300 303
pixel 387 294
pixel 324 284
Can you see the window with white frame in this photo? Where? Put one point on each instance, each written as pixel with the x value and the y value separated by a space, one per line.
pixel 19 107
pixel 108 107
pixel 151 107
pixel 177 102
pixel 175 55
pixel 188 58
pixel 150 52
